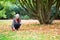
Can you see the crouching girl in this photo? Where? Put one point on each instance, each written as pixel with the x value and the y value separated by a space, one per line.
pixel 16 23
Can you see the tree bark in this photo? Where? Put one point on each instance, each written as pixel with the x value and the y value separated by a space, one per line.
pixel 43 11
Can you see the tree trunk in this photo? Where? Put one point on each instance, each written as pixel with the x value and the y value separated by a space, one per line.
pixel 43 12
pixel 38 9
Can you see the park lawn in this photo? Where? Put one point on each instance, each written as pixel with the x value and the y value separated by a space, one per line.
pixel 29 32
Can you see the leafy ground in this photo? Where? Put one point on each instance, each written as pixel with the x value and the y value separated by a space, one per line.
pixel 30 30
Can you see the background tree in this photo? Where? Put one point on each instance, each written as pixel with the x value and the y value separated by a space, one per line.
pixel 38 9
pixel 43 10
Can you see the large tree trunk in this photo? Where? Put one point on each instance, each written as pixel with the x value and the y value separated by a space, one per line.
pixel 43 10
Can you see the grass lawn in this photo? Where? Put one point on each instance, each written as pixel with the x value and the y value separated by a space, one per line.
pixel 29 32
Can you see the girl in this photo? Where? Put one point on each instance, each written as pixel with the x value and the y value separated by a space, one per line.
pixel 16 23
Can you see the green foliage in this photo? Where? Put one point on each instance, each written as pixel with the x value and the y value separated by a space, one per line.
pixel 1 7
pixel 7 9
pixel 24 17
pixel 53 11
pixel 2 14
pixel 12 7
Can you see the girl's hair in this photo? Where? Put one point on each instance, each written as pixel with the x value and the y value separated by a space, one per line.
pixel 17 15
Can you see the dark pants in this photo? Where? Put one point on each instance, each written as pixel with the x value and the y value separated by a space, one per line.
pixel 17 26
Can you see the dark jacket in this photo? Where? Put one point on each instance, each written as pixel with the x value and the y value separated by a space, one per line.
pixel 14 23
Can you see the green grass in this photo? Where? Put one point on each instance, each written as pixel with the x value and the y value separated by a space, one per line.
pixel 27 35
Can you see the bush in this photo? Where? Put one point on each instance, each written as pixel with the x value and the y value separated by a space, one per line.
pixel 24 17
pixel 2 14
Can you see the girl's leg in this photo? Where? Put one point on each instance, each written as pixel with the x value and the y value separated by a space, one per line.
pixel 17 26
